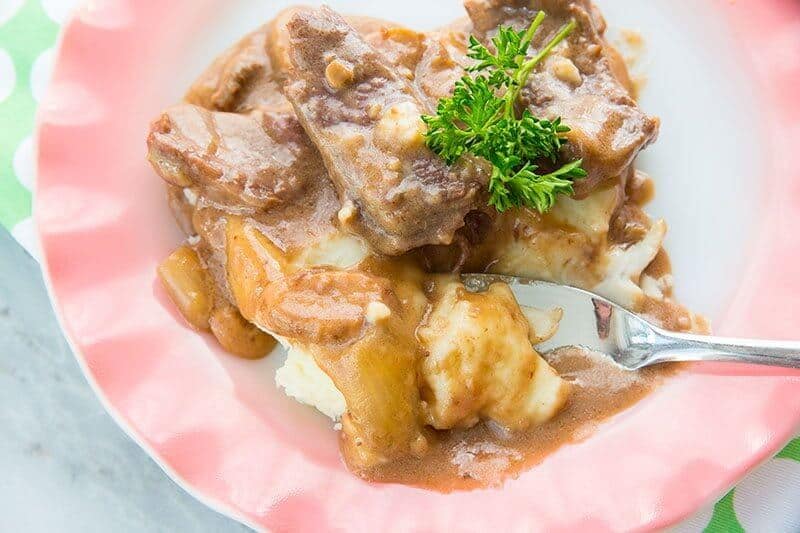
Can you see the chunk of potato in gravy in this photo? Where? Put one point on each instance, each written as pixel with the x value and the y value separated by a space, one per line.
pixel 479 363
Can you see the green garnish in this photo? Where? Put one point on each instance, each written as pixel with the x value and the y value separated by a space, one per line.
pixel 481 119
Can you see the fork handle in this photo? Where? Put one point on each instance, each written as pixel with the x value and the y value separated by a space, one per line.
pixel 685 347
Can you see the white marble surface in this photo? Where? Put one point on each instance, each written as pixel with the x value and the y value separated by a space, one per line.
pixel 65 466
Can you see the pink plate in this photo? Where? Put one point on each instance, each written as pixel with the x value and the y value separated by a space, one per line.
pixel 218 426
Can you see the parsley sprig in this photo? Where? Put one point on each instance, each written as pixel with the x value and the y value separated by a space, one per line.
pixel 481 119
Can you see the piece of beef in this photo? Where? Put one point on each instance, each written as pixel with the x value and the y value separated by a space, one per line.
pixel 249 74
pixel 278 40
pixel 241 79
pixel 578 83
pixel 257 160
pixel 433 61
pixel 260 166
pixel 364 117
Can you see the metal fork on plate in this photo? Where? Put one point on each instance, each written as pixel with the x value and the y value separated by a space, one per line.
pixel 594 322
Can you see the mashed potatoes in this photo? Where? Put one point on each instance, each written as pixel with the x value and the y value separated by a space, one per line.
pixel 481 365
pixel 303 380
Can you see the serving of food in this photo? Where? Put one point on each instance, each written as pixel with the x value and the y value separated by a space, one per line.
pixel 334 175
pixel 288 330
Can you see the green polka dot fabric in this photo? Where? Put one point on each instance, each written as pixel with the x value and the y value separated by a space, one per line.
pixel 768 500
pixel 28 32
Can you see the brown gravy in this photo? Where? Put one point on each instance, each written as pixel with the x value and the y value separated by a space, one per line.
pixel 486 456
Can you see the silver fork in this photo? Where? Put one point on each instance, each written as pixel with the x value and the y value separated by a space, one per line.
pixel 593 322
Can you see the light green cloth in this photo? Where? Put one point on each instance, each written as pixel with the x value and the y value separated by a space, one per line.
pixel 26 35
pixel 767 501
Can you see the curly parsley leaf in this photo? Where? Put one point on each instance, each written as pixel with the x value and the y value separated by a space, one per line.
pixel 480 119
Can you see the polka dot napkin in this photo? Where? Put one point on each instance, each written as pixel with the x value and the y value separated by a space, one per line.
pixel 766 501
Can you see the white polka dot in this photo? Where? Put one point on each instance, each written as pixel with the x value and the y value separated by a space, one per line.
pixel 59 10
pixel 25 233
pixel 767 499
pixel 41 72
pixel 697 523
pixel 24 163
pixel 8 76
pixel 9 8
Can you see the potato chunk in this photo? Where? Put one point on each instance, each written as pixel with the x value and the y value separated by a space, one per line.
pixel 377 377
pixel 237 335
pixel 188 287
pixel 253 262
pixel 481 364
